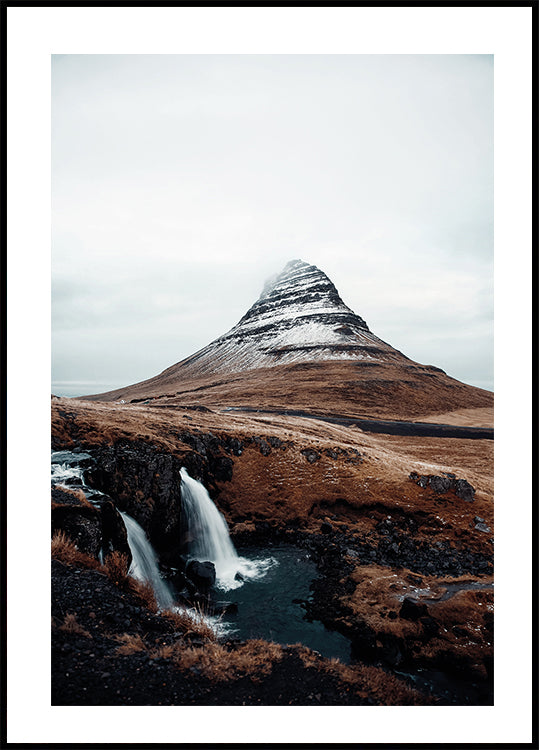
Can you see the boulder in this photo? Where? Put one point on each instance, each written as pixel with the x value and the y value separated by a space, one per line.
pixel 464 490
pixel 225 608
pixel 448 483
pixel 310 454
pixel 412 610
pixel 202 574
pixel 482 527
pixel 440 484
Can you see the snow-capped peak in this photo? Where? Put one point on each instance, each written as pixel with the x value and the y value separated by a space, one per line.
pixel 298 317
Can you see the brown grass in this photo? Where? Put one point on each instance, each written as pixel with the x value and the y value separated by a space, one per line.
pixel 214 661
pixel 366 681
pixel 71 625
pixel 130 643
pixel 256 488
pixel 374 682
pixel 116 567
pixel 66 551
pixel 144 591
pixel 77 494
pixel 187 624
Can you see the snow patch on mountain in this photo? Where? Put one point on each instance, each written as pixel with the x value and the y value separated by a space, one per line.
pixel 298 317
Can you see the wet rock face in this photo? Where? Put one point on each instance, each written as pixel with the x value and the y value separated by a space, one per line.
pixel 145 484
pixel 91 528
pixel 114 531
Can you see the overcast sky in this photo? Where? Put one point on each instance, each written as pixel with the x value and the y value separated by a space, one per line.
pixel 181 183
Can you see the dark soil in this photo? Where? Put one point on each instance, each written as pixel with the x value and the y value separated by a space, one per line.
pixel 87 670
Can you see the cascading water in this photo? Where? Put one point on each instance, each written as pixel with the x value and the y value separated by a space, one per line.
pixel 67 470
pixel 144 566
pixel 210 539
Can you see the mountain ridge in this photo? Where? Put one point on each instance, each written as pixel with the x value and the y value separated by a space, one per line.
pixel 299 317
pixel 299 345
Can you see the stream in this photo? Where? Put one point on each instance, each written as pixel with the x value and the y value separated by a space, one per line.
pixel 270 607
pixel 270 585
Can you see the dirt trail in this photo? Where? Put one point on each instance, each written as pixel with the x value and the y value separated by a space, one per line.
pixel 384 426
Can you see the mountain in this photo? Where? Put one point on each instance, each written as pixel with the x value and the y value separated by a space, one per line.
pixel 299 317
pixel 299 345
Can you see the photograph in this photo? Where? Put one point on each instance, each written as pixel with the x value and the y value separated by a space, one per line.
pixel 266 269
pixel 272 385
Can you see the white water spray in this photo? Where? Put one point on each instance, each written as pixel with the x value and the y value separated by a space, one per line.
pixel 210 539
pixel 144 566
pixel 65 467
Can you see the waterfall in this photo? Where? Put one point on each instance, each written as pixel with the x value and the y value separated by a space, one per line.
pixel 66 471
pixel 210 539
pixel 144 565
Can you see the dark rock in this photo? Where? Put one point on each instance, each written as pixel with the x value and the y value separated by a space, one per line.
pixel 464 490
pixel 221 468
pixel 390 651
pixel 235 446
pixel 181 583
pixel 202 574
pixel 114 531
pixel 482 527
pixel 146 484
pixel 430 626
pixel 310 455
pixel 82 524
pixel 440 485
pixel 326 528
pixel 263 445
pixel 412 610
